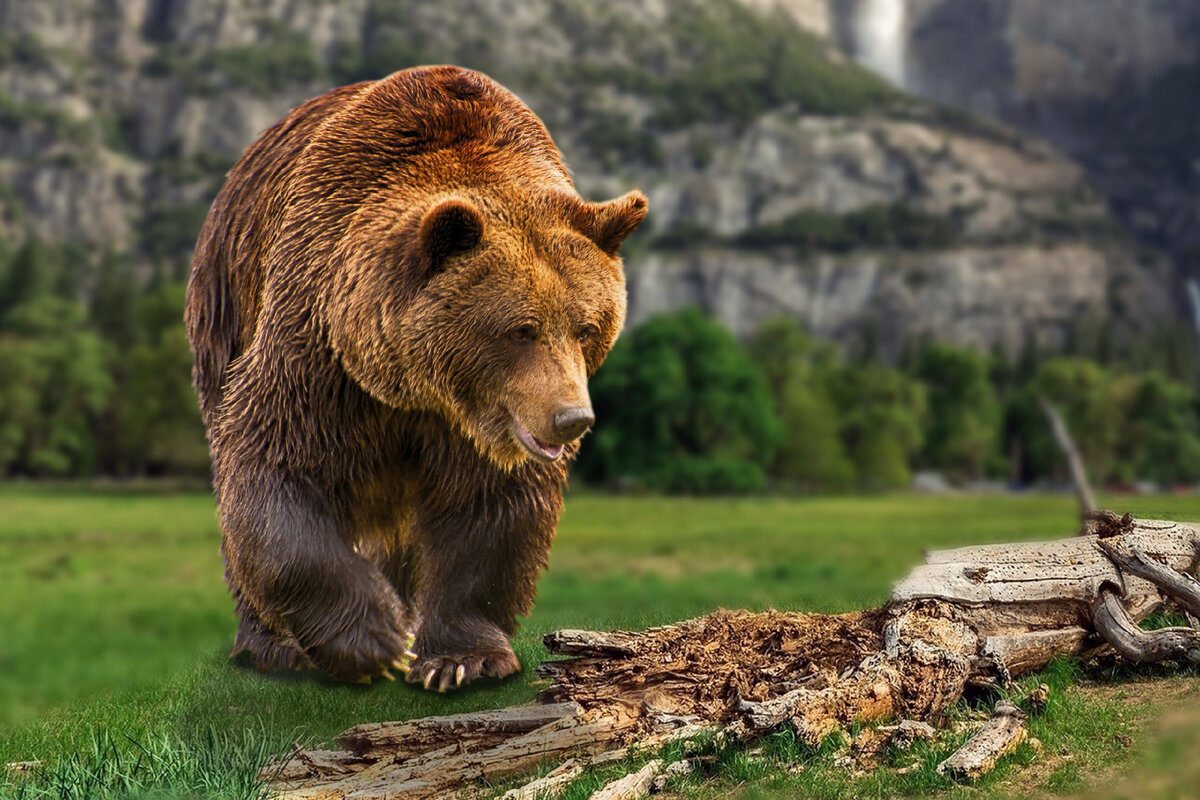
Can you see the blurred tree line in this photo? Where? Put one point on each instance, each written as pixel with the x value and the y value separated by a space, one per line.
pixel 97 372
pixel 96 381
pixel 683 407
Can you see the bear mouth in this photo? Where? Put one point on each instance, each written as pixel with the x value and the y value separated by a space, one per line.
pixel 546 452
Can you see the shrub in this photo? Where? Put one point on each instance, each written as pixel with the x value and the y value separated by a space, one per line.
pixel 680 407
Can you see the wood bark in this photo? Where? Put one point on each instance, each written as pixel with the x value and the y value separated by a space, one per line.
pixel 970 616
pixel 634 786
pixel 1002 734
pixel 550 785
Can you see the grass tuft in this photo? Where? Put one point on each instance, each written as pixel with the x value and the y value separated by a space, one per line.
pixel 213 764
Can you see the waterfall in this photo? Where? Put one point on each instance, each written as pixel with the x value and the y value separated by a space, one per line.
pixel 879 33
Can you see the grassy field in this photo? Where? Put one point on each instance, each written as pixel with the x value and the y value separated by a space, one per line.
pixel 116 624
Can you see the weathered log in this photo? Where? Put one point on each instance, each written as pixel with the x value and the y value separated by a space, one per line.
pixel 551 784
pixel 1138 646
pixel 971 616
pixel 1022 653
pixel 597 644
pixel 634 786
pixel 1002 734
pixel 1176 583
pixel 444 770
pixel 870 694
pixel 404 739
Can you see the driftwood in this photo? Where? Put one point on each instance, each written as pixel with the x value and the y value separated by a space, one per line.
pixel 975 616
pixel 633 786
pixel 1003 733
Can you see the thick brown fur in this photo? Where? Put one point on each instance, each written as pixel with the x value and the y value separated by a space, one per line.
pixel 394 279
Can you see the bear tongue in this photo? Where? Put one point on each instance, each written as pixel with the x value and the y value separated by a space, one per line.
pixel 550 452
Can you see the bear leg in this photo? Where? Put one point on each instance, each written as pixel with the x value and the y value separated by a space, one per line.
pixel 269 652
pixel 479 562
pixel 290 565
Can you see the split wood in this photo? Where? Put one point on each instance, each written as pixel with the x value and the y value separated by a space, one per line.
pixel 975 616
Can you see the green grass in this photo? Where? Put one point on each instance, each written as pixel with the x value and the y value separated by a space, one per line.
pixel 113 667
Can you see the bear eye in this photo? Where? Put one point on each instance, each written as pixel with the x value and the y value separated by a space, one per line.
pixel 525 333
pixel 587 333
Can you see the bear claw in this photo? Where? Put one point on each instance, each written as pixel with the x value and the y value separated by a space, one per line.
pixel 405 660
pixel 444 673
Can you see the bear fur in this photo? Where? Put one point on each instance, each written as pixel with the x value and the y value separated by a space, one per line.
pixel 394 307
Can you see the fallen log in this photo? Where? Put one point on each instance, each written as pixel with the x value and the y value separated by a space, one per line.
pixel 967 617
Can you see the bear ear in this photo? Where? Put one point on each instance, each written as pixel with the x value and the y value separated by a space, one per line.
pixel 451 226
pixel 607 224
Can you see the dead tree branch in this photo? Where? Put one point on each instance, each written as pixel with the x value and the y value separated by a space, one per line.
pixel 1079 479
pixel 1002 734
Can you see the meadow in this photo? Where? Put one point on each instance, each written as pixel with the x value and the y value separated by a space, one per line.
pixel 116 625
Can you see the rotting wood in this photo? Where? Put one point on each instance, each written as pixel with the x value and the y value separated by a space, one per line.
pixel 403 739
pixel 1176 583
pixel 555 781
pixel 1029 652
pixel 551 784
pixel 1001 735
pixel 973 616
pixel 1138 646
pixel 599 644
pixel 445 770
pixel 634 786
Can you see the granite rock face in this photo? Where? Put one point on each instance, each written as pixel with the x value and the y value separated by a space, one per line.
pixel 118 120
pixel 1113 83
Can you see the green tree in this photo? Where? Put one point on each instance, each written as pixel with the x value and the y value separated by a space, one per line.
pixel 159 421
pixel 30 275
pixel 113 304
pixel 797 369
pixel 680 407
pixel 58 387
pixel 883 412
pixel 1083 392
pixel 1162 434
pixel 964 412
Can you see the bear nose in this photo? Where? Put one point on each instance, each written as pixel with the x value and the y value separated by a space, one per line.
pixel 570 423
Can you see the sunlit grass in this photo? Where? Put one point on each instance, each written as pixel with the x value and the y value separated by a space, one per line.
pixel 117 620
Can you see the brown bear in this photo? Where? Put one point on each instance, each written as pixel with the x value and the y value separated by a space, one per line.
pixel 394 307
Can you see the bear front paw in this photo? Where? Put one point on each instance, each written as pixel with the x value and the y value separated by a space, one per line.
pixel 443 673
pixel 364 652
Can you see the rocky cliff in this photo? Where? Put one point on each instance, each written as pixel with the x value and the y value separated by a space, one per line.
pixel 1114 83
pixel 783 179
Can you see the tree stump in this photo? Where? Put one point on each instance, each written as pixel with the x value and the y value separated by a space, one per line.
pixel 972 616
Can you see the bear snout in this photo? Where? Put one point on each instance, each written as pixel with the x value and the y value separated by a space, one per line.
pixel 570 423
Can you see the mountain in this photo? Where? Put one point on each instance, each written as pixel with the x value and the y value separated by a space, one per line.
pixel 1114 83
pixel 783 177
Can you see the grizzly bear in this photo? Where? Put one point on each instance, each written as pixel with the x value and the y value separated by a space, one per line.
pixel 394 307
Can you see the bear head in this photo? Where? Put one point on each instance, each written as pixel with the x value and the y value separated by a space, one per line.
pixel 457 271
